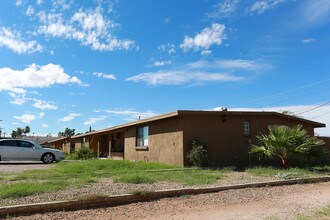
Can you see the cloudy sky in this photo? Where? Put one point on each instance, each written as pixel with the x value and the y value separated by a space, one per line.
pixel 76 64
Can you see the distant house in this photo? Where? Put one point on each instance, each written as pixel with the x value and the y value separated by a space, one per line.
pixel 166 138
pixel 61 143
pixel 39 139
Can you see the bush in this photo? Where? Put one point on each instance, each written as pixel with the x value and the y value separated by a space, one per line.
pixel 197 155
pixel 84 153
pixel 287 175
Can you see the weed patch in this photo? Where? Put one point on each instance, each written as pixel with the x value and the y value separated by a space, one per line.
pixel 141 192
pixel 26 189
pixel 290 173
pixel 134 178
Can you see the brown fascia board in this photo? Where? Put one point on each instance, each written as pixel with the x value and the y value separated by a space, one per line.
pixel 197 112
pixel 315 123
pixel 255 113
pixel 59 139
pixel 134 123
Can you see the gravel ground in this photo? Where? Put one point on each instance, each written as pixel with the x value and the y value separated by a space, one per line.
pixel 281 202
pixel 107 187
pixel 16 167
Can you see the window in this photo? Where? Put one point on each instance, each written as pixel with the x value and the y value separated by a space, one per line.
pixel 8 143
pixel 142 136
pixel 25 144
pixel 246 128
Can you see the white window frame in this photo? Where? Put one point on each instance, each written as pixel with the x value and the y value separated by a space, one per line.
pixel 246 128
pixel 142 136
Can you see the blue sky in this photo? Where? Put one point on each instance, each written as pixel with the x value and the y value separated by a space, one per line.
pixel 76 64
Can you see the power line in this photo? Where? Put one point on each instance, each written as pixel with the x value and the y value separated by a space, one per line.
pixel 285 92
pixel 301 96
pixel 321 115
pixel 309 110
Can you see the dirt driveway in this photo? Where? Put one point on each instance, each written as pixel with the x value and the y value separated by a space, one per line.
pixel 281 202
pixel 15 166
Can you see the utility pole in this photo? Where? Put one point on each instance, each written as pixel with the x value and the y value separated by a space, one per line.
pixel 0 129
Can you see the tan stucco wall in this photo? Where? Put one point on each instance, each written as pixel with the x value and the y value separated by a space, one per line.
pixel 223 135
pixel 165 143
pixel 170 138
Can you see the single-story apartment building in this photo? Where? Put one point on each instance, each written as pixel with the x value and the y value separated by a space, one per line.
pixel 166 138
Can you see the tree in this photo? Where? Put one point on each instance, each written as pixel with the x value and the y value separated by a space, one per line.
pixel 283 142
pixel 67 132
pixel 26 130
pixel 13 134
pixel 19 132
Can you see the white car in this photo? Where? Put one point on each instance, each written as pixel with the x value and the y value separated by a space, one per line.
pixel 16 149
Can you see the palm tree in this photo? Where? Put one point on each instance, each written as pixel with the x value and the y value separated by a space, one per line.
pixel 26 130
pixel 19 132
pixel 13 134
pixel 283 142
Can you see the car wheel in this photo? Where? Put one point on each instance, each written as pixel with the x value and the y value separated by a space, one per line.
pixel 48 158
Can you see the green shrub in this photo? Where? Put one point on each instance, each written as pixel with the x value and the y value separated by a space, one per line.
pixel 197 154
pixel 84 153
pixel 287 175
pixel 70 157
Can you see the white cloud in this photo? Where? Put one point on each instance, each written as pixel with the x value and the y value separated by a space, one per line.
pixel 311 112
pixel 18 101
pixel 91 121
pixel 105 76
pixel 39 2
pixel 44 125
pixel 41 114
pixel 206 52
pixel 241 64
pixel 129 114
pixel 44 105
pixel 168 48
pixel 308 40
pixel 14 41
pixel 260 7
pixel 209 36
pixel 314 13
pixel 181 77
pixel 34 76
pixel 70 117
pixel 230 65
pixel 62 4
pixel 167 20
pixel 26 118
pixel 162 63
pixel 89 27
pixel 19 96
pixel 19 2
pixel 29 11
pixel 201 72
pixel 223 9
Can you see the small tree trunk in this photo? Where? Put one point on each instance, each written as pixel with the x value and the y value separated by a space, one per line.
pixel 285 162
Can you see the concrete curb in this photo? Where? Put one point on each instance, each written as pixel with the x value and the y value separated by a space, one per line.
pixel 107 201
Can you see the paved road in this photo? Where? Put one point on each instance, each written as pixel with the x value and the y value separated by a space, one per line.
pixel 18 166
